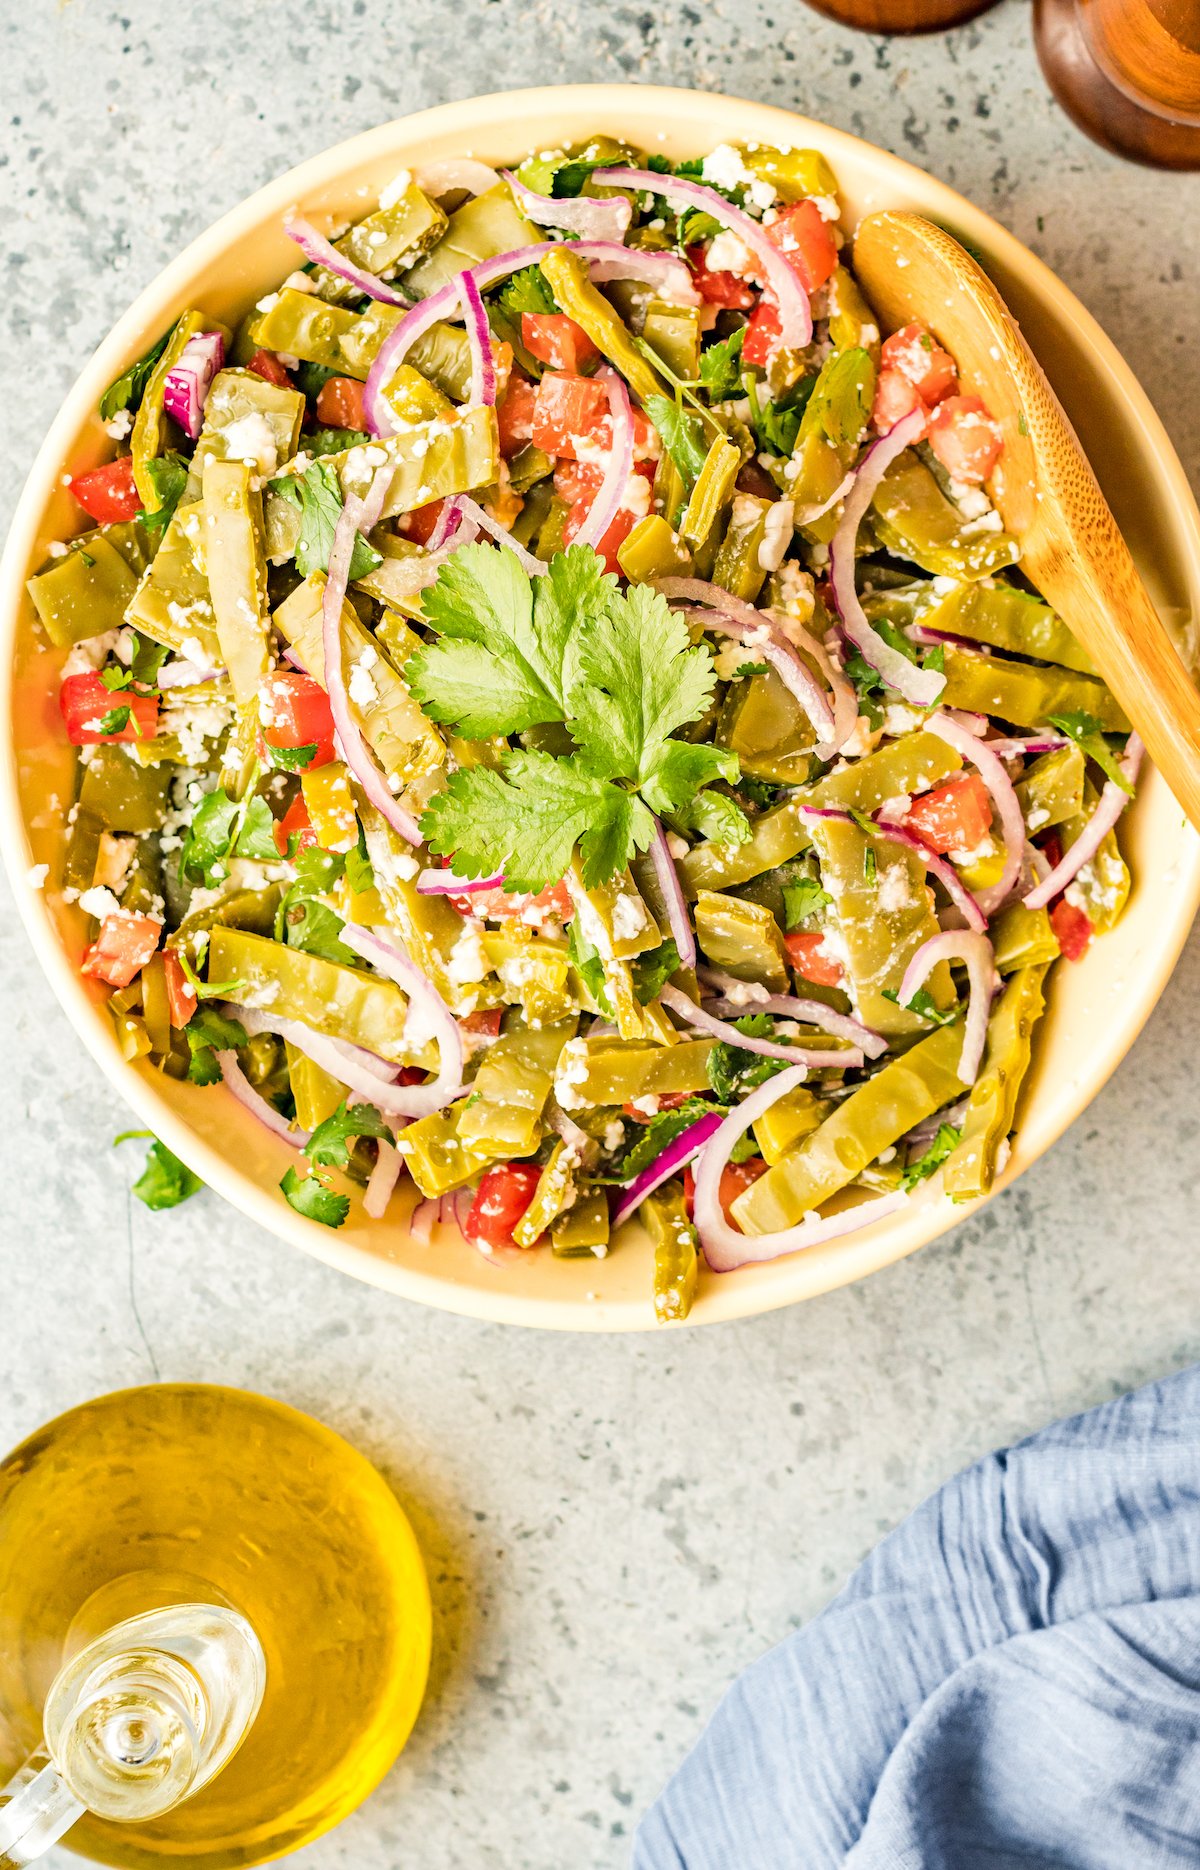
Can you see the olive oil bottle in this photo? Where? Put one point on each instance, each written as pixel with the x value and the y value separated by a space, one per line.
pixel 205 1597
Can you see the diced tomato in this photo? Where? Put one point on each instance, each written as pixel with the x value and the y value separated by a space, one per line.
pixel 411 1074
pixel 108 493
pixel 181 995
pixel 123 946
pixel 265 364
pixel 921 360
pixel 810 958
pixel 805 239
pixel 956 816
pixel 340 403
pixel 294 712
pixel 611 540
pixel 557 340
pixel 762 334
pixel 551 904
pixel 895 398
pixel 577 480
pixel 486 1020
pixel 297 824
pixel 514 415
pixel 566 410
pixel 1072 927
pixel 85 702
pixel 965 439
pixel 736 1178
pixel 421 522
pixel 502 1198
pixel 718 288
pixel 665 1100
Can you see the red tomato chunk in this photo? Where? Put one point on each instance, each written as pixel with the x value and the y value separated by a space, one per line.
pixel 726 289
pixel 956 816
pixel 1072 927
pixel 965 439
pixel 340 403
pixel 921 361
pixel 811 959
pixel 805 239
pixel 294 711
pixel 557 340
pixel 121 949
pixel 503 1196
pixel 85 702
pixel 108 493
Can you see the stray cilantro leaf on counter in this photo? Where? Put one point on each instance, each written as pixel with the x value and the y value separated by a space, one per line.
pixel 165 1181
pixel 618 669
pixel 310 1197
pixel 943 1145
pixel 1088 734
pixel 682 434
pixel 329 1144
pixel 317 493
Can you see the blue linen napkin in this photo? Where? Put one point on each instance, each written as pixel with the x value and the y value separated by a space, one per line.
pixel 1011 1679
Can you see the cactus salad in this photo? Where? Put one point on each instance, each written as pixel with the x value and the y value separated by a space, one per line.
pixel 561 721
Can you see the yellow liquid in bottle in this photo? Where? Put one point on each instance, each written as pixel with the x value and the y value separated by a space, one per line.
pixel 189 1491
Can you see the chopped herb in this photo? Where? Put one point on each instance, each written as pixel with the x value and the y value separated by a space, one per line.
pixel 525 291
pixel 923 1004
pixel 329 1144
pixel 148 659
pixel 751 668
pixel 117 720
pixel 207 1033
pixel 721 364
pixel 333 441
pixel 86 558
pixel 1088 734
pixel 127 390
pixel 168 476
pixel 293 759
pixel 222 828
pixel 651 971
pixel 310 1197
pixel 164 1181
pixel 205 989
pixel 115 677
pixel 801 900
pixel 652 1138
pixel 312 378
pixel 943 1145
pixel 870 865
pixel 682 435
pixel 732 1071
pixel 317 494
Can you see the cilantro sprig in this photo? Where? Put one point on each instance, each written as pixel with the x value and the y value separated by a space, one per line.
pixel 317 494
pixel 617 669
pixel 222 828
pixel 1089 736
pixel 165 1181
pixel 942 1147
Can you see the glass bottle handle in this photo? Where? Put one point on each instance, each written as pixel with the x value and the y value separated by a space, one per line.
pixel 37 1807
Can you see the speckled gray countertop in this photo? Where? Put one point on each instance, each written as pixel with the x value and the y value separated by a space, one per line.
pixel 613 1526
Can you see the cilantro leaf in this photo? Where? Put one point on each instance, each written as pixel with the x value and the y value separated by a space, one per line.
pixel 318 495
pixel 801 899
pixel 165 1181
pixel 640 679
pixel 222 827
pixel 310 1197
pixel 115 721
pixel 148 659
pixel 115 677
pixel 652 970
pixel 943 1145
pixel 207 1033
pixel 359 874
pixel 732 1071
pixel 316 928
pixel 329 1144
pixel 526 291
pixel 292 759
pixel 505 656
pixel 715 816
pixel 168 476
pixel 530 818
pixel 585 959
pixel 653 1137
pixel 680 768
pixel 1088 734
pixel 751 668
pixel 682 435
pixel 256 833
pixel 127 390
pixel 721 366
pixel 924 1006
pixel 311 379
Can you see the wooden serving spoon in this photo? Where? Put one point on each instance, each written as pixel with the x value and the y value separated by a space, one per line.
pixel 1043 487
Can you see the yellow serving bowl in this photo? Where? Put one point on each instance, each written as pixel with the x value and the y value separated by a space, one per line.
pixel 1096 1007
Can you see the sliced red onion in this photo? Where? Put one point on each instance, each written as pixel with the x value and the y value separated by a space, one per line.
pixel 924 637
pixel 726 1247
pixel 976 951
pixel 768 1048
pixel 793 1006
pixel 426 1003
pixel 355 751
pixel 1008 807
pixel 382 1183
pixel 674 1157
pixel 475 515
pixel 241 1087
pixel 1025 749
pixel 607 259
pixel 188 381
pixel 594 218
pixel 618 467
pixel 183 674
pixel 479 337
pixel 454 172
pixel 421 1222
pixel 921 687
pixel 760 632
pixel 1111 804
pixel 795 313
pixel 445 883
pixel 322 252
pixel 845 699
pixel 363 1073
pixel 923 1133
pixel 447 525
pixel 673 896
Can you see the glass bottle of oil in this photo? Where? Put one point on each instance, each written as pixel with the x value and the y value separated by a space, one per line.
pixel 216 1518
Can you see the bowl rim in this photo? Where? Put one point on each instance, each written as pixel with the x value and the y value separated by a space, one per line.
pixel 499 113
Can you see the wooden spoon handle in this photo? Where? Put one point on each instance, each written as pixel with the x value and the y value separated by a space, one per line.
pixel 1044 487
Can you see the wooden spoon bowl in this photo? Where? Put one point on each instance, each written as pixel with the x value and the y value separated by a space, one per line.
pixel 1043 486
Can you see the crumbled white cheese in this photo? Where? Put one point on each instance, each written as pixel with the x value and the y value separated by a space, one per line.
pixel 778 526
pixel 392 191
pixel 120 424
pixel 361 686
pixel 36 876
pixel 99 902
pixel 614 1134
pixel 724 168
pixel 893 889
pixel 646 1106
pixel 629 918
pixel 728 254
